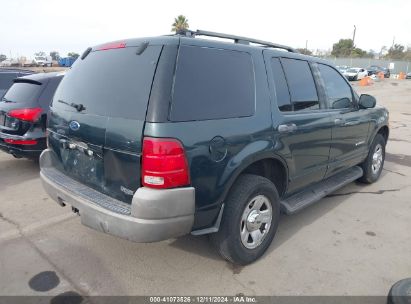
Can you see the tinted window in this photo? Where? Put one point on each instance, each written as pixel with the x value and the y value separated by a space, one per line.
pixel 113 83
pixel 212 84
pixel 338 91
pixel 281 88
pixel 23 92
pixel 301 84
pixel 48 92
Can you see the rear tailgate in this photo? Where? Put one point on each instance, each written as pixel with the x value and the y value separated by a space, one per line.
pixel 100 145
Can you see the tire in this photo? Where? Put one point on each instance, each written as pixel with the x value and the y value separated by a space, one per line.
pixel 239 217
pixel 355 78
pixel 369 166
pixel 400 292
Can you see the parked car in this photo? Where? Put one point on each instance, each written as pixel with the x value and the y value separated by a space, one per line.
pixel 408 76
pixel 154 138
pixel 43 61
pixel 7 76
pixel 375 70
pixel 23 114
pixel 355 73
pixel 342 68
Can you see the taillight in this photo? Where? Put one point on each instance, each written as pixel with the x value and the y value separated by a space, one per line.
pixel 31 114
pixel 164 164
pixel 24 142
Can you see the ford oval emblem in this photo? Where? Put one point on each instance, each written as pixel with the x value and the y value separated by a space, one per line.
pixel 74 125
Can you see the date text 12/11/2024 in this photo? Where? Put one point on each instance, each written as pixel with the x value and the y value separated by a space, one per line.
pixel 203 299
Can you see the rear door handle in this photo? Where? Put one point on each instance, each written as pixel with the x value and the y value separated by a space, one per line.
pixel 287 128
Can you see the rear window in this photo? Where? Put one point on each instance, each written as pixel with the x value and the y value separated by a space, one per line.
pixel 115 83
pixel 212 84
pixel 23 92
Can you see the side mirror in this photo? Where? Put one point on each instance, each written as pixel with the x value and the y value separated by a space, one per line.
pixel 367 101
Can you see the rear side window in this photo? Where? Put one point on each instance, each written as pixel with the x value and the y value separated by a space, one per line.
pixel 301 84
pixel 281 88
pixel 212 84
pixel 338 91
pixel 115 83
pixel 23 92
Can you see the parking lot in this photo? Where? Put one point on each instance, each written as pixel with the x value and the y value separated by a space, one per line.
pixel 355 242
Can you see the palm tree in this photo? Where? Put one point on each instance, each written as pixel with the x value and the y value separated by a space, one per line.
pixel 180 23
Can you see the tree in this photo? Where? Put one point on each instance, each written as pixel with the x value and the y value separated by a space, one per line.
pixel 55 55
pixel 346 48
pixel 2 57
pixel 357 52
pixel 342 48
pixel 305 51
pixel 40 54
pixel 73 54
pixel 396 52
pixel 180 23
pixel 407 54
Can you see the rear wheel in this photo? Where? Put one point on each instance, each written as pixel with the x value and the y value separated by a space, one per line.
pixel 250 220
pixel 373 164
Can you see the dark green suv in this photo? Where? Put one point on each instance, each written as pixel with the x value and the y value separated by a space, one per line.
pixel 155 138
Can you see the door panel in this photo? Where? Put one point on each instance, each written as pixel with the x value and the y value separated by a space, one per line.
pixel 306 148
pixel 349 140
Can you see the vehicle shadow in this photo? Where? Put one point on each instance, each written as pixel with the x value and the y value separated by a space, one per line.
pixel 15 171
pixel 288 226
pixel 199 245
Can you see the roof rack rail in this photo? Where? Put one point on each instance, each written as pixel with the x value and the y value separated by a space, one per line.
pixel 237 39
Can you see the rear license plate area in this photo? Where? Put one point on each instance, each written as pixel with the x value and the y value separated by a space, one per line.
pixel 88 169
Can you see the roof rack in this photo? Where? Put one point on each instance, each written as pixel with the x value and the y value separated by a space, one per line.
pixel 237 39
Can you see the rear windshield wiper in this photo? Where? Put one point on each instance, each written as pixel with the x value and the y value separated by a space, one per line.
pixel 78 106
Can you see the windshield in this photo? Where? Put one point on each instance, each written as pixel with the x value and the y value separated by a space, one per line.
pixel 352 70
pixel 113 83
pixel 40 58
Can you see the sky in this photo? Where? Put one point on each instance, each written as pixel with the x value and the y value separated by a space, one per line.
pixel 29 26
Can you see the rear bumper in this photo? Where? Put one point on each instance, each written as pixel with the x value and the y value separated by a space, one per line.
pixel 29 151
pixel 153 215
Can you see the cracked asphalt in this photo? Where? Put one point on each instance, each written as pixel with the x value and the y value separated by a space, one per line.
pixel 357 241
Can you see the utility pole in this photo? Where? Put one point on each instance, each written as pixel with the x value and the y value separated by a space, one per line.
pixel 353 45
pixel 353 36
pixel 306 43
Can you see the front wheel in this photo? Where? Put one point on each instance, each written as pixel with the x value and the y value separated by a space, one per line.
pixel 373 164
pixel 249 221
